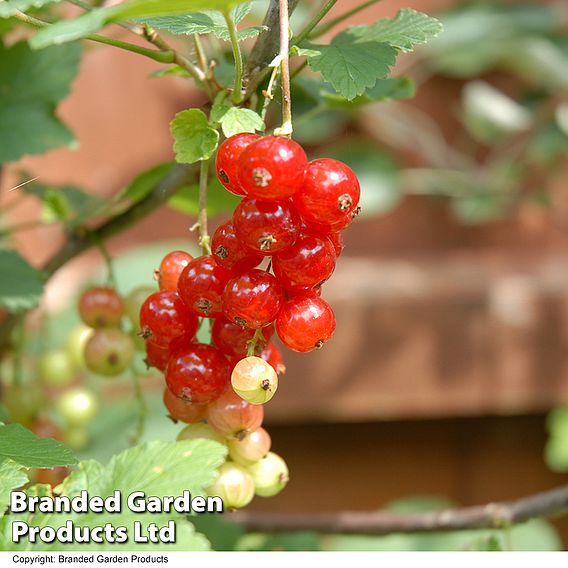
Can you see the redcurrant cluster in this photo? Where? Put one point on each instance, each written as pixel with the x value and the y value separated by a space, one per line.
pixel 292 211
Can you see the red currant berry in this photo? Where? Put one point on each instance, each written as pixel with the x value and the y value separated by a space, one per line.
pixel 253 299
pixel 305 323
pixel 171 267
pixel 109 352
pixel 329 196
pixel 233 339
pixel 201 285
pixel 337 242
pixel 101 307
pixel 266 227
pixel 273 356
pixel 164 317
pixel 232 416
pixel 157 356
pixel 230 253
pixel 308 262
pixel 314 291
pixel 181 410
pixel 227 159
pixel 272 168
pixel 199 374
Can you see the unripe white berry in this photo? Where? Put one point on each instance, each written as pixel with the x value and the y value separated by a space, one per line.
pixel 254 380
pixel 234 485
pixel 270 475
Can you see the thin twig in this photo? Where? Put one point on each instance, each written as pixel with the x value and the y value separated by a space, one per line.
pixel 284 57
pixel 252 344
pixel 324 28
pixel 204 239
pixel 304 34
pixel 238 57
pixel 491 515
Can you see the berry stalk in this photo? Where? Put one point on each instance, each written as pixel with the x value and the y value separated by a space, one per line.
pixel 284 56
pixel 204 239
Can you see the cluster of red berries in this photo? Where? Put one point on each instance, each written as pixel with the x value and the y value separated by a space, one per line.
pixel 292 211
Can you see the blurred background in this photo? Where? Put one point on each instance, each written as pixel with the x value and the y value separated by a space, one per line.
pixel 448 372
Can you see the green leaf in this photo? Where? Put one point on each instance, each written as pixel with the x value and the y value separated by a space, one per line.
pixel 237 120
pixel 398 88
pixel 11 477
pixel 219 200
pixel 24 447
pixel 407 29
pixel 21 285
pixel 158 469
pixel 93 21
pixel 27 121
pixel 65 203
pixel 350 63
pixel 205 23
pixel 194 139
pixel 10 7
pixel 144 183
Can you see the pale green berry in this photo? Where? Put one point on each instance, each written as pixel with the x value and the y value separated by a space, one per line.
pixel 77 406
pixel 254 380
pixel 234 485
pixel 198 431
pixel 75 344
pixel 56 368
pixel 250 448
pixel 270 475
pixel 109 352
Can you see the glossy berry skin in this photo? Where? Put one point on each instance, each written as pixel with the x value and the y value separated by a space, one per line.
pixel 273 356
pixel 272 168
pixel 253 299
pixel 164 317
pixel 201 284
pixel 230 253
pixel 310 261
pixel 157 356
pixel 234 485
pixel 270 475
pixel 198 374
pixel 227 160
pixel 314 291
pixel 101 307
pixel 250 448
pixel 337 242
pixel 171 267
pixel 329 197
pixel 109 352
pixel 233 339
pixel 254 380
pixel 234 417
pixel 305 323
pixel 183 411
pixel 266 227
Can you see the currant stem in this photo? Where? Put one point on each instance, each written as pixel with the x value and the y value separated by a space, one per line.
pixel 284 56
pixel 251 345
pixel 324 28
pixel 305 33
pixel 200 53
pixel 238 87
pixel 160 56
pixel 204 239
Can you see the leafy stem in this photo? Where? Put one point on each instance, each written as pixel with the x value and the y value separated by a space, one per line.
pixel 166 56
pixel 238 87
pixel 204 239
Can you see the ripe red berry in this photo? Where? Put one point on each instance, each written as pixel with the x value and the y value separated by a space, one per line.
pixel 201 285
pixel 305 323
pixel 232 416
pixel 101 307
pixel 233 339
pixel 164 317
pixel 314 291
pixel 253 299
pixel 227 159
pixel 337 242
pixel 183 411
pixel 329 196
pixel 171 267
pixel 272 168
pixel 229 252
pixel 266 227
pixel 157 356
pixel 273 356
pixel 198 374
pixel 308 262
